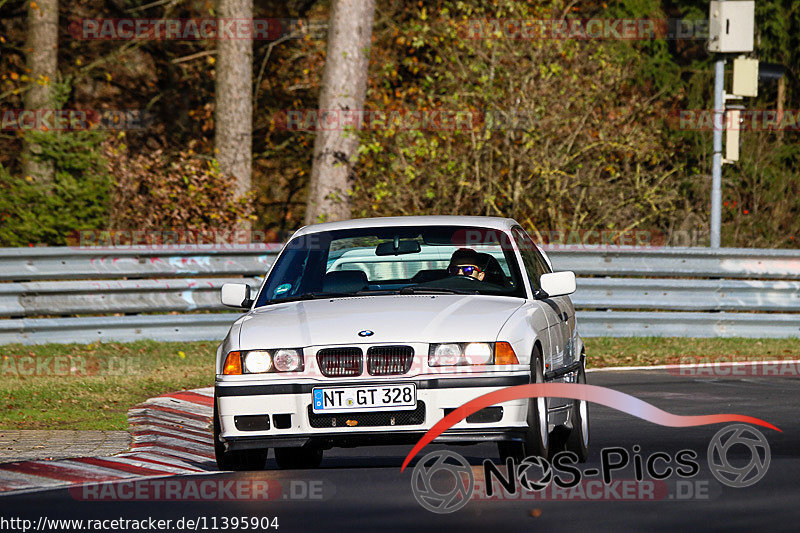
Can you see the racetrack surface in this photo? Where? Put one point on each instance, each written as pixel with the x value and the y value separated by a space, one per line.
pixel 363 489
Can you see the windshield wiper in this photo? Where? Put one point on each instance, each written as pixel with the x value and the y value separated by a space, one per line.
pixel 370 292
pixel 307 296
pixel 416 289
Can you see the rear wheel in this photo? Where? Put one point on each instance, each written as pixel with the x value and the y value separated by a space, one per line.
pixel 239 459
pixel 578 439
pixel 298 458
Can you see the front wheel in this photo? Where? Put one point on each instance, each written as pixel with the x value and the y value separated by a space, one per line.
pixel 537 436
pixel 239 459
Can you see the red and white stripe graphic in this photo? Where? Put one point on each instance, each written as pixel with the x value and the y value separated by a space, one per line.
pixel 171 435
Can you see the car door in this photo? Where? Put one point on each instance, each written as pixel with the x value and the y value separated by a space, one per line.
pixel 552 311
pixel 566 314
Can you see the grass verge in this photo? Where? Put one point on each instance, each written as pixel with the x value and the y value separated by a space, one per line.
pixel 648 351
pixel 78 386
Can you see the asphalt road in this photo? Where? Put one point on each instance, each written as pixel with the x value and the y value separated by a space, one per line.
pixel 364 490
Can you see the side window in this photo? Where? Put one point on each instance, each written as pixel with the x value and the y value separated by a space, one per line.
pixel 530 257
pixel 544 268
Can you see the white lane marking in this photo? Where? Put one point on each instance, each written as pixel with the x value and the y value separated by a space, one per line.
pixel 9 480
pixel 626 368
pixel 79 467
pixel 693 365
pixel 158 450
pixel 176 462
pixel 154 424
pixel 181 405
pixel 194 439
pixel 175 441
pixel 136 461
pixel 157 414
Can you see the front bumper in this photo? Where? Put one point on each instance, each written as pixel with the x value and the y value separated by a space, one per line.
pixel 289 421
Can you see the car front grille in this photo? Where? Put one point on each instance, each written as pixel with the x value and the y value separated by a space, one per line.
pixel 389 360
pixel 340 362
pixel 381 418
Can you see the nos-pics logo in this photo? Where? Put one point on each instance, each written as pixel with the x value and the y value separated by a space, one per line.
pixel 443 481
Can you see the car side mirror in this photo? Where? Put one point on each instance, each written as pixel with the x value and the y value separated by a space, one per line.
pixel 557 284
pixel 236 295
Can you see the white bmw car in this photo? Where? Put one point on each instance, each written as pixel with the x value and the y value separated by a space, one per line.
pixel 370 331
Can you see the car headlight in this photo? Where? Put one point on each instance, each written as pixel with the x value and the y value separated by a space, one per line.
pixel 257 362
pixel 472 353
pixel 461 354
pixel 479 353
pixel 288 360
pixel 445 355
pixel 263 361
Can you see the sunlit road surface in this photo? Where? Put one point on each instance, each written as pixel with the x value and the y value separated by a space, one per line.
pixel 363 489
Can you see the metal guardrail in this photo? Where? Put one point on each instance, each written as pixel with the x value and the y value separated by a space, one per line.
pixel 32 264
pixel 687 295
pixel 670 324
pixel 41 298
pixel 680 262
pixel 54 282
pixel 198 327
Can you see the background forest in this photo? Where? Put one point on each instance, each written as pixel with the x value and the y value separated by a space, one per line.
pixel 576 135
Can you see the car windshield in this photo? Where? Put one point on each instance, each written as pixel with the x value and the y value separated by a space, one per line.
pixel 394 260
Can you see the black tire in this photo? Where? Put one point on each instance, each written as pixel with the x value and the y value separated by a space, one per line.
pixel 236 460
pixel 537 437
pixel 578 439
pixel 298 458
pixel 513 450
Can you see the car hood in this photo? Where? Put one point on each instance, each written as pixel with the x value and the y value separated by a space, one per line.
pixel 394 318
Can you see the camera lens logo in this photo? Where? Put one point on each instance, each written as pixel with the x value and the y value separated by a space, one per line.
pixel 739 435
pixel 442 495
pixel 526 473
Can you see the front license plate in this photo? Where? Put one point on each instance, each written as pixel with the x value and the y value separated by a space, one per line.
pixel 368 398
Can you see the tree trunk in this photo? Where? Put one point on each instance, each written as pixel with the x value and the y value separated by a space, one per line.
pixel 344 83
pixel 233 132
pixel 781 101
pixel 42 56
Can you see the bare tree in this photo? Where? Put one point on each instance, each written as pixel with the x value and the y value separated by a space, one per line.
pixel 42 56
pixel 343 88
pixel 234 103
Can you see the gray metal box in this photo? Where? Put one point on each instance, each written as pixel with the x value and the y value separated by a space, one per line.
pixel 731 26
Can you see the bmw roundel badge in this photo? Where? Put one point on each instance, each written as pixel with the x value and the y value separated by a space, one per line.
pixel 366 333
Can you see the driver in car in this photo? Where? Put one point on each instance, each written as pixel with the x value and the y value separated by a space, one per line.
pixel 480 266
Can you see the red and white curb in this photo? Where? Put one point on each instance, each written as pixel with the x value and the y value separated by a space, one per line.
pixel 171 435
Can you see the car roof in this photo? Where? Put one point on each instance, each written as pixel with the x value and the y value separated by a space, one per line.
pixel 438 220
